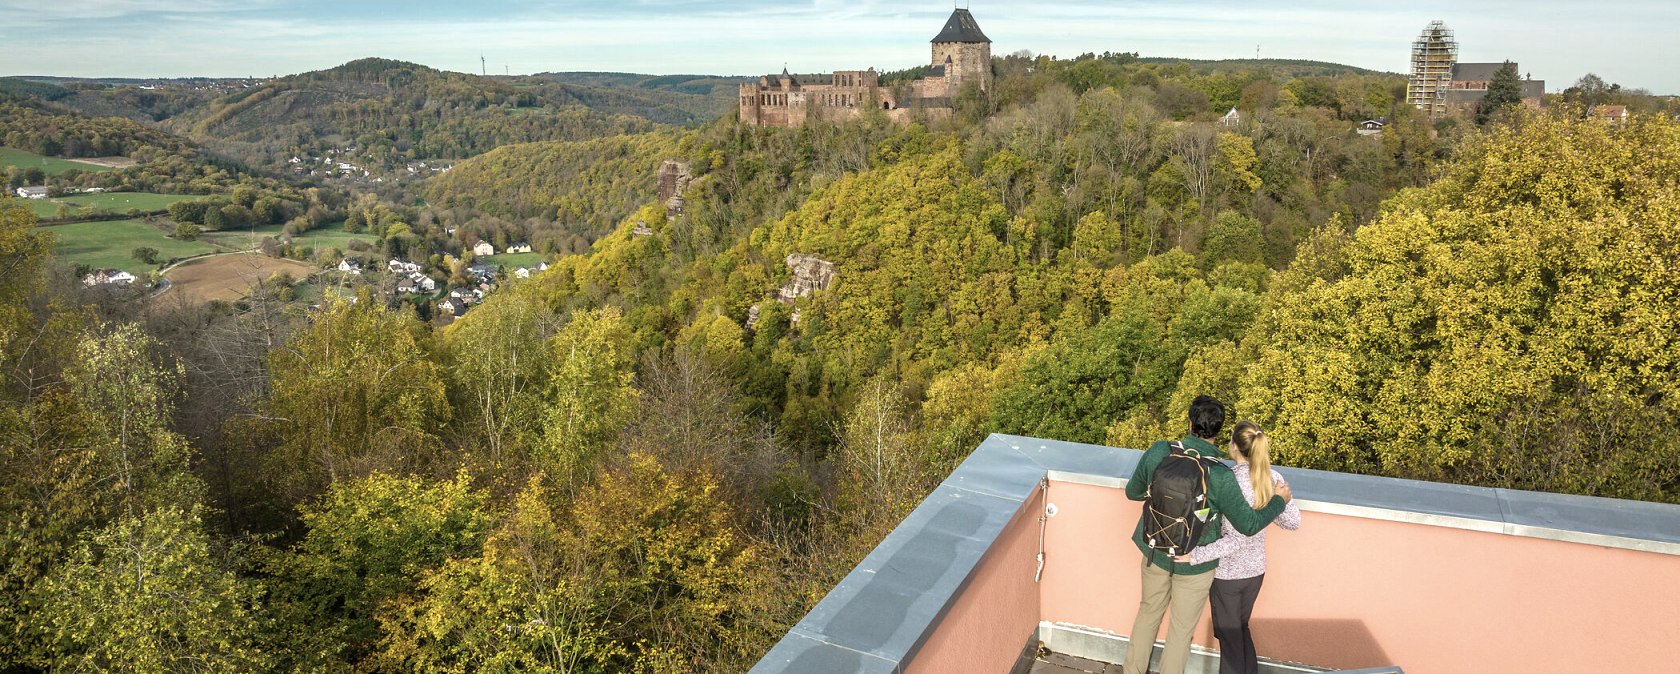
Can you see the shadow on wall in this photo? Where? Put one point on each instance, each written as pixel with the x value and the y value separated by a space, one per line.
pixel 1342 644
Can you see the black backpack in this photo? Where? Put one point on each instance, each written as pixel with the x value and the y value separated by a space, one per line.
pixel 1177 508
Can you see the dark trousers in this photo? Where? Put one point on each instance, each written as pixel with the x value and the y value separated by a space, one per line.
pixel 1233 603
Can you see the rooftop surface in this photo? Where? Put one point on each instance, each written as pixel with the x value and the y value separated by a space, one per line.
pixel 887 614
pixel 961 27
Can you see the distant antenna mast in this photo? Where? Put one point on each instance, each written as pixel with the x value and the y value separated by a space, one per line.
pixel 482 68
pixel 1256 52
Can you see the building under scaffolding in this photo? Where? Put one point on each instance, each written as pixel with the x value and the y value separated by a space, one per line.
pixel 1433 56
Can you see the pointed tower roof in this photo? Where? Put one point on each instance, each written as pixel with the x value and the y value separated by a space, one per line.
pixel 961 28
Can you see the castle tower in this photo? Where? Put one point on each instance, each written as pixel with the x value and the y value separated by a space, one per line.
pixel 968 51
pixel 1433 56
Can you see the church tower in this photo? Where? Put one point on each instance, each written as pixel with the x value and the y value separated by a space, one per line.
pixel 964 52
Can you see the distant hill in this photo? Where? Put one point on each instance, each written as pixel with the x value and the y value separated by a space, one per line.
pixel 669 99
pixel 1286 67
pixel 392 112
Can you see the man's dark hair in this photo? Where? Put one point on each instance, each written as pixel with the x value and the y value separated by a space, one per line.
pixel 1207 416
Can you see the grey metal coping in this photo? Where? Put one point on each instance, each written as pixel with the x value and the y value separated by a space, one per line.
pixel 880 614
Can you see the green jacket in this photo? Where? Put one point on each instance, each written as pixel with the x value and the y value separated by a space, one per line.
pixel 1223 492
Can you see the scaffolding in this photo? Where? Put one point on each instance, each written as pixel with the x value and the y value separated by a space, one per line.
pixel 1433 56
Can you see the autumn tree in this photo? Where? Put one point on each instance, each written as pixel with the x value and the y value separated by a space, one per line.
pixel 148 594
pixel 590 393
pixel 368 541
pixel 355 393
pixel 500 366
pixel 1504 326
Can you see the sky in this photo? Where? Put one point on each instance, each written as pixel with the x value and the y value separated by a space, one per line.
pixel 1631 42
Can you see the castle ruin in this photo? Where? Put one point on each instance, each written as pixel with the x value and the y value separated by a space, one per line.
pixel 961 55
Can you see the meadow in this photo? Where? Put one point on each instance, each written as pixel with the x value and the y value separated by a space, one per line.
pixel 328 236
pixel 111 243
pixel 514 261
pixel 51 166
pixel 115 202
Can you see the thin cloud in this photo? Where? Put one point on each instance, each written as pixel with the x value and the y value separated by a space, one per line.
pixel 1622 40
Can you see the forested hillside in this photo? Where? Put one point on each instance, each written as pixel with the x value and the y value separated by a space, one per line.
pixel 391 113
pixel 647 458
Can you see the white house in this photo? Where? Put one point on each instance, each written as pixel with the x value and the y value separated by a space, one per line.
pixel 37 192
pixel 108 276
pixel 350 266
pixel 483 249
pixel 1370 127
pixel 1232 118
pixel 522 272
pixel 520 247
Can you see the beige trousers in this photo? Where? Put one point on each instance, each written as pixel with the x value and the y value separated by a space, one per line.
pixel 1186 594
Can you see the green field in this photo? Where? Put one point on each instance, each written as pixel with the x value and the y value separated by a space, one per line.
pixel 48 165
pixel 115 202
pixel 329 236
pixel 112 242
pixel 514 261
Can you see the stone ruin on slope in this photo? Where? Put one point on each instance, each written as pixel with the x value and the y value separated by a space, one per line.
pixel 810 274
pixel 673 182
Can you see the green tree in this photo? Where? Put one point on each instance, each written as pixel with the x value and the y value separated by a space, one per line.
pixel 369 541
pixel 500 365
pixel 523 606
pixel 659 555
pixel 354 393
pixel 146 594
pixel 590 391
pixel 146 254
pixel 1502 326
pixel 24 252
pixel 1503 92
pixel 1233 237
pixel 83 452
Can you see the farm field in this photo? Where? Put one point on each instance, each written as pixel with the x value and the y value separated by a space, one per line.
pixel 51 166
pixel 118 202
pixel 111 243
pixel 515 260
pixel 228 277
pixel 330 236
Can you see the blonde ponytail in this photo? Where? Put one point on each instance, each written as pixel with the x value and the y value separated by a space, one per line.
pixel 1254 445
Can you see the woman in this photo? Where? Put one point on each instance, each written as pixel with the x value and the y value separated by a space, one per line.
pixel 1242 559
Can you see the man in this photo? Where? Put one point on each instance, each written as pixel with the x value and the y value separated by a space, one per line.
pixel 1182 585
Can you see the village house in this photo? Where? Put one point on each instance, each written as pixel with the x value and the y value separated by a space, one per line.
pixel 962 54
pixel 453 307
pixel 116 277
pixel 350 266
pixel 1232 118
pixel 1370 127
pixel 483 249
pixel 520 247
pixel 1615 114
pixel 37 192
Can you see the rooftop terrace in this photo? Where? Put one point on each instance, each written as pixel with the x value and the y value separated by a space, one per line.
pixel 1383 573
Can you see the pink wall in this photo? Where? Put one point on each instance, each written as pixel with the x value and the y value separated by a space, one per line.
pixel 1353 592
pixel 995 616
